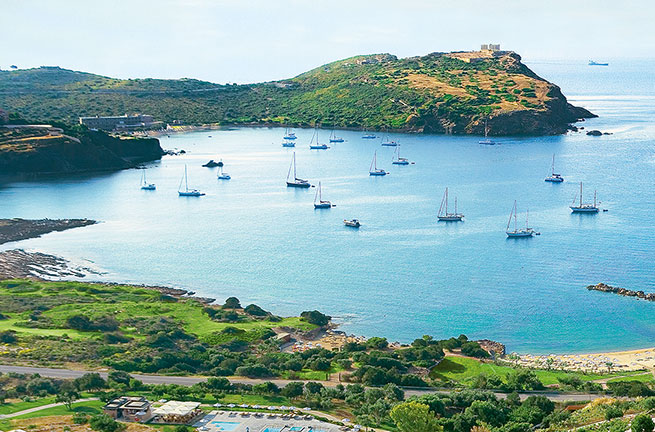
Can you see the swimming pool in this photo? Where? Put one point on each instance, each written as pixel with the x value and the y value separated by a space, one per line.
pixel 296 428
pixel 268 429
pixel 224 426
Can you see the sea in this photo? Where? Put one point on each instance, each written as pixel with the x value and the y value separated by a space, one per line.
pixel 402 274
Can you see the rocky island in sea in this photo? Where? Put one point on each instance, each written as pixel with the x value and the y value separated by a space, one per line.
pixel 450 93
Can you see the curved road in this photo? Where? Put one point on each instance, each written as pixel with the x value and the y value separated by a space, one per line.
pixel 191 380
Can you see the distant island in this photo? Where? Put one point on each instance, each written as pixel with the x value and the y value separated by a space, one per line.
pixel 453 93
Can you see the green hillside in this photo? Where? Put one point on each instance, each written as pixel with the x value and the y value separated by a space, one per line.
pixel 438 93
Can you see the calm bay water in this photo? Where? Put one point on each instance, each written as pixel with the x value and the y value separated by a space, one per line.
pixel 402 274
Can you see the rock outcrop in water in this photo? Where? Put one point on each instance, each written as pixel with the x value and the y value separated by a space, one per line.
pixel 621 291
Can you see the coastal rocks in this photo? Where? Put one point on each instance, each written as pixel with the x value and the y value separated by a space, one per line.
pixel 492 347
pixel 622 291
pixel 211 164
pixel 18 263
pixel 594 133
pixel 21 229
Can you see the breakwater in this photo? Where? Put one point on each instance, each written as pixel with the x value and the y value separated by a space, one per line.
pixel 621 291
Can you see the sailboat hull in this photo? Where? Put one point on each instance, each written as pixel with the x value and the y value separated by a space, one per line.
pixel 190 194
pixel 389 144
pixel 378 173
pixel 149 187
pixel 323 205
pixel 451 218
pixel 336 140
pixel 400 162
pixel 289 144
pixel 520 234
pixel 318 147
pixel 554 179
pixel 584 209
pixel 298 184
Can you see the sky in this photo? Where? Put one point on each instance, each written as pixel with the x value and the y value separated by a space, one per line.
pixel 251 41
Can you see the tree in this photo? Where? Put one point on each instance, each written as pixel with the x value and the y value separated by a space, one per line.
pixel 90 381
pixel 315 317
pixel 119 377
pixel 104 423
pixel 221 383
pixel 67 394
pixel 413 416
pixel 642 423
pixel 232 303
pixel 377 343
pixel 313 387
pixel 293 390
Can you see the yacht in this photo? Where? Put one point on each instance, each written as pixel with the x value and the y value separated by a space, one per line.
pixel 397 160
pixel 288 144
pixel 386 142
pixel 368 135
pixel 186 192
pixel 144 183
pixel 487 140
pixel 295 182
pixel 317 145
pixel 222 175
pixel 288 135
pixel 443 214
pixel 334 138
pixel 554 177
pixel 516 232
pixel 584 208
pixel 319 203
pixel 352 223
pixel 594 63
pixel 373 169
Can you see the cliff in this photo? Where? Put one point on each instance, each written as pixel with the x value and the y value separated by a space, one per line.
pixel 49 150
pixel 437 93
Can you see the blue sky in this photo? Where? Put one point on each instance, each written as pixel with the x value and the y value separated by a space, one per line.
pixel 249 41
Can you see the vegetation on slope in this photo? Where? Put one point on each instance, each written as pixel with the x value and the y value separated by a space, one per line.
pixel 442 93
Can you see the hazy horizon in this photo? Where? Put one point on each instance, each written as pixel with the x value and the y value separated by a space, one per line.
pixel 227 41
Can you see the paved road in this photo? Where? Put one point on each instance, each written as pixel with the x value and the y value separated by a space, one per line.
pixel 189 381
pixel 42 407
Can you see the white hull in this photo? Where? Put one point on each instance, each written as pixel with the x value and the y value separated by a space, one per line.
pixel 520 233
pixel 318 147
pixel 191 194
pixel 377 173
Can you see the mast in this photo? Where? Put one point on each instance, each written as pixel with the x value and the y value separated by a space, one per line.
pixel 509 221
pixel 527 213
pixel 446 201
pixel 552 167
pixel 318 191
pixel 594 198
pixel 515 223
pixel 443 200
pixel 580 194
pixel 294 166
pixel 289 173
pixel 455 205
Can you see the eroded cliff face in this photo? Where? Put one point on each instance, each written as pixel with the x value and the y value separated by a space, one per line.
pixel 39 152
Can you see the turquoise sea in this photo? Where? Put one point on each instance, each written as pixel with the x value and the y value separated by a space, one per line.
pixel 402 274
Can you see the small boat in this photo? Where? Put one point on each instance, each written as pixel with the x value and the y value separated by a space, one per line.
pixel 222 175
pixel 584 208
pixel 397 160
pixel 317 145
pixel 386 142
pixel 368 135
pixel 295 182
pixel 486 140
pixel 373 169
pixel 518 233
pixel 593 63
pixel 144 183
pixel 334 138
pixel 288 144
pixel 319 203
pixel 352 223
pixel 554 177
pixel 288 135
pixel 187 192
pixel 443 214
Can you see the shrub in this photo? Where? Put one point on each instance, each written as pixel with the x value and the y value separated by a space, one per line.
pixel 254 310
pixel 315 317
pixel 642 423
pixel 232 303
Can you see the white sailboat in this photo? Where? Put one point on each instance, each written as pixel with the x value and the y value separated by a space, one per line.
pixel 373 169
pixel 516 232
pixel 316 145
pixel 486 140
pixel 319 202
pixel 222 175
pixel 554 177
pixel 368 135
pixel 295 182
pixel 584 208
pixel 397 160
pixel 288 135
pixel 444 215
pixel 186 192
pixel 386 142
pixel 334 138
pixel 144 183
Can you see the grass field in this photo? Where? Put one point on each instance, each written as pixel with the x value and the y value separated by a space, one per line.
pixel 9 408
pixel 463 370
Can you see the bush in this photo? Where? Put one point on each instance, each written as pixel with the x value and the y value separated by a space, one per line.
pixel 316 317
pixel 80 418
pixel 254 310
pixel 613 411
pixel 232 303
pixel 8 337
pixel 104 423
pixel 642 423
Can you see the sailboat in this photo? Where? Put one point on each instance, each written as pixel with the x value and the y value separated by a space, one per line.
pixel 554 177
pixel 319 203
pixel 222 175
pixel 334 138
pixel 317 145
pixel 288 144
pixel 187 192
pixel 584 208
pixel 288 135
pixel 373 169
pixel 368 135
pixel 443 214
pixel 397 160
pixel 387 142
pixel 486 140
pixel 295 182
pixel 144 183
pixel 516 232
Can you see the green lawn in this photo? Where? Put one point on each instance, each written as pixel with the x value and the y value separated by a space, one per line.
pixel 8 408
pixel 90 407
pixel 463 369
pixel 643 377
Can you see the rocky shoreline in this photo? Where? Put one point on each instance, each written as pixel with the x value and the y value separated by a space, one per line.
pixel 621 291
pixel 20 229
pixel 17 264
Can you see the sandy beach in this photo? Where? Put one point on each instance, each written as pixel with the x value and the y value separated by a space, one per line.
pixel 632 360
